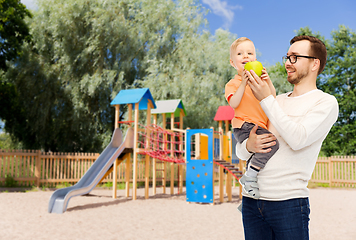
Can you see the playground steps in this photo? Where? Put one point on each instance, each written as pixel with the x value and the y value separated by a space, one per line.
pixel 160 168
pixel 235 171
pixel 159 179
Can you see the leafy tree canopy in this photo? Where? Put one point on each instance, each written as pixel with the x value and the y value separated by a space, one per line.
pixel 196 73
pixel 85 51
pixel 13 29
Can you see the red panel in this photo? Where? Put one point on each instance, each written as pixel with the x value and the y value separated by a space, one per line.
pixel 224 113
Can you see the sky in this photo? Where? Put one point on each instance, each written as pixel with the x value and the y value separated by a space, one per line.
pixel 271 24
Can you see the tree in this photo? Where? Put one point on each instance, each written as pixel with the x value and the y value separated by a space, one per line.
pixel 341 82
pixel 11 109
pixel 278 75
pixel 13 32
pixel 13 29
pixel 7 143
pixel 82 54
pixel 195 72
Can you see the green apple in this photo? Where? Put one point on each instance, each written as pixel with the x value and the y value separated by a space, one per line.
pixel 256 66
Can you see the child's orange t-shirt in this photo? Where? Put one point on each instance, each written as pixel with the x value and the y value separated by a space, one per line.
pixel 249 109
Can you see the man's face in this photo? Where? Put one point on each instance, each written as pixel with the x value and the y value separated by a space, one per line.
pixel 245 52
pixel 301 69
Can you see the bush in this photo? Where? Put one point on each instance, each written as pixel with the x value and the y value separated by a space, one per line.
pixel 10 181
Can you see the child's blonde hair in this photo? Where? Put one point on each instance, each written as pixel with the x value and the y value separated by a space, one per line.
pixel 236 43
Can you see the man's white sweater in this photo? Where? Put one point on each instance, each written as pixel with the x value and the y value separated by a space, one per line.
pixel 300 125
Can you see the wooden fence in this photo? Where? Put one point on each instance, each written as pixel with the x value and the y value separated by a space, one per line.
pixel 40 168
pixel 336 171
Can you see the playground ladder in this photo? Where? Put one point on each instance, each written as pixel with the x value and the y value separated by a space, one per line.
pixel 161 167
pixel 235 171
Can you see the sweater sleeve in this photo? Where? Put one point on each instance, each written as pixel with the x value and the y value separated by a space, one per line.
pixel 241 151
pixel 313 125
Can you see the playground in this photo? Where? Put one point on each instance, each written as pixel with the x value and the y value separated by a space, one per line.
pixel 99 216
pixel 204 157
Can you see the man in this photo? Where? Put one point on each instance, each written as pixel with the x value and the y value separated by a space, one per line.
pixel 300 120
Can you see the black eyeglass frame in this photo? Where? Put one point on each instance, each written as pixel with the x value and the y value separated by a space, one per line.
pixel 285 58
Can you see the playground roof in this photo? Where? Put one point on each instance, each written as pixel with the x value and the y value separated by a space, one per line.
pixel 132 96
pixel 169 106
pixel 224 113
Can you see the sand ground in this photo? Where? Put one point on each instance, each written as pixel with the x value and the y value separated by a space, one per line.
pixel 98 216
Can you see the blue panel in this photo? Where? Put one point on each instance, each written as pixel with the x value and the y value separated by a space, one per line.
pixel 191 132
pixel 199 181
pixel 199 173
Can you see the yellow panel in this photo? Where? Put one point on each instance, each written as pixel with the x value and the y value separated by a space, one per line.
pixel 204 147
pixel 226 148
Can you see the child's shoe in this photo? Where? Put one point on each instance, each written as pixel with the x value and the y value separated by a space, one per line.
pixel 240 208
pixel 249 184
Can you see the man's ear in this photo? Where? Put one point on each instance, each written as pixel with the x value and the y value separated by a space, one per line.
pixel 316 65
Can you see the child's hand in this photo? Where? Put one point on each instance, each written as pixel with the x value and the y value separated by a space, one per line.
pixel 245 77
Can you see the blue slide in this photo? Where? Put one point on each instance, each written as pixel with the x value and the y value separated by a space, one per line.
pixel 59 200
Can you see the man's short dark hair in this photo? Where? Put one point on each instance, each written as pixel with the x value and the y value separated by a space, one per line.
pixel 317 49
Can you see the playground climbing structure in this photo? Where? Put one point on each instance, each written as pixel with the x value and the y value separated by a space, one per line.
pixel 163 150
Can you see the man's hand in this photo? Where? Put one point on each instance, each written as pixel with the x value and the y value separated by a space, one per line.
pixel 265 77
pixel 260 143
pixel 259 88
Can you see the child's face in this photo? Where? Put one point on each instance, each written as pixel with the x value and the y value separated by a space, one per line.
pixel 245 52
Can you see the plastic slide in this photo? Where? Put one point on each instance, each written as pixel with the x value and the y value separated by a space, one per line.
pixel 59 200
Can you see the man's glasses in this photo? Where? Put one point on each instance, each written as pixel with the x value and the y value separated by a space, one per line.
pixel 293 58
